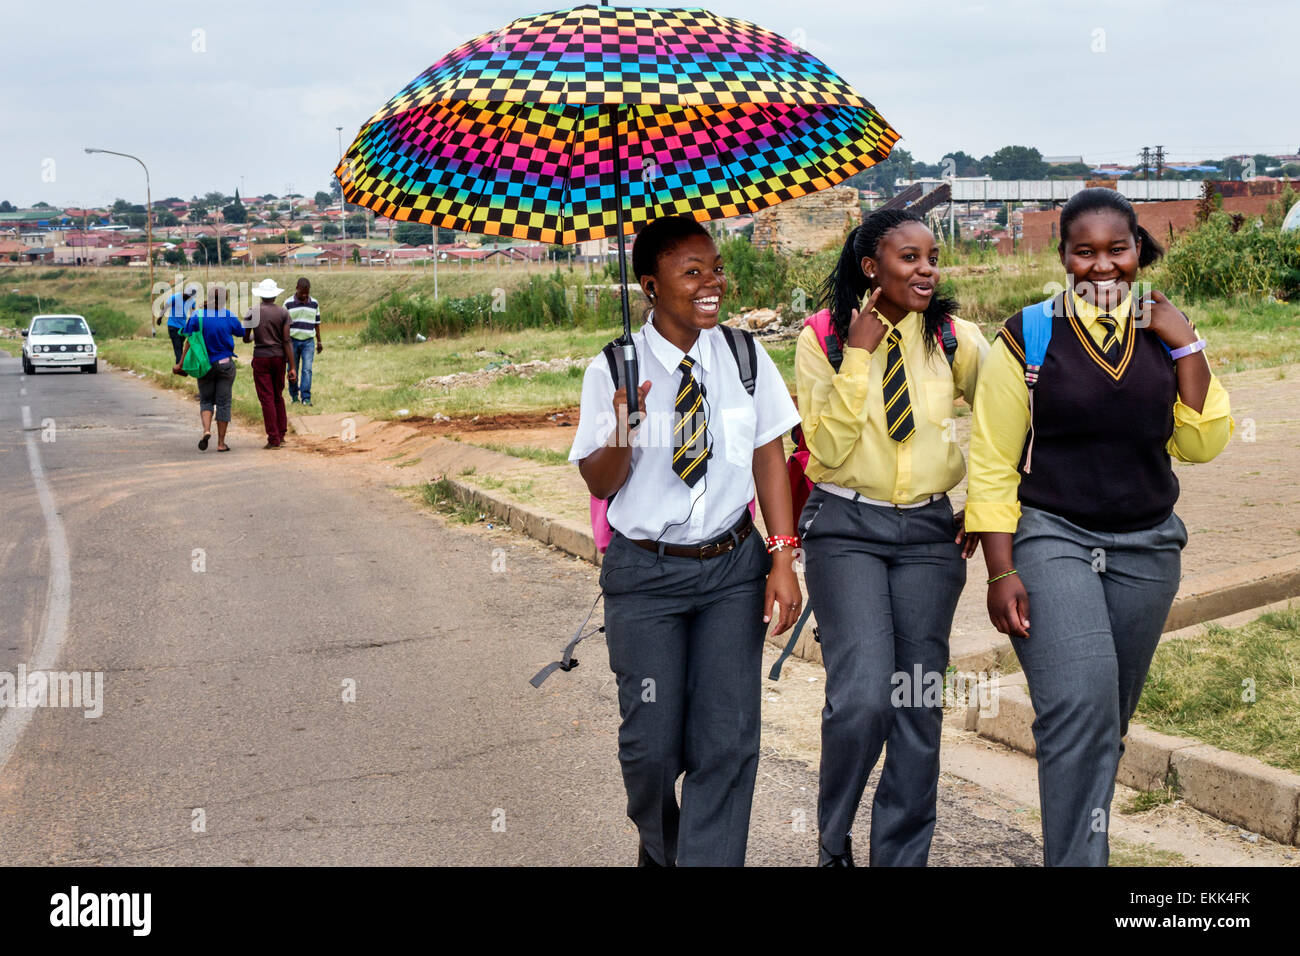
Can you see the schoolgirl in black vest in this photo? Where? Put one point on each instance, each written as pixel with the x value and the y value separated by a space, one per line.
pixel 1073 491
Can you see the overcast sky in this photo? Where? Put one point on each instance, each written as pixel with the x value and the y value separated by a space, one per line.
pixel 261 102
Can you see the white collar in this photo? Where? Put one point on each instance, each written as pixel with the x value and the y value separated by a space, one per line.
pixel 669 355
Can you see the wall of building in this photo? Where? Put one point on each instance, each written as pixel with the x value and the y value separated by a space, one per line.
pixel 808 223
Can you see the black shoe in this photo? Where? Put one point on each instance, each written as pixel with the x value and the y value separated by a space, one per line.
pixel 643 858
pixel 838 859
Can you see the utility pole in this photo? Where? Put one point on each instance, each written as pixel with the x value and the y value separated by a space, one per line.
pixel 148 209
pixel 1160 161
pixel 1146 162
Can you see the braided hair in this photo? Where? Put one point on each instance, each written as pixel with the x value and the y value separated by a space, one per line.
pixel 843 290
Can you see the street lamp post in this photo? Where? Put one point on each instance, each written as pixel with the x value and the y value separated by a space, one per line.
pixel 148 209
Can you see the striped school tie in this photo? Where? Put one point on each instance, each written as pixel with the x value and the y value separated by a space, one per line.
pixel 1110 340
pixel 898 405
pixel 690 439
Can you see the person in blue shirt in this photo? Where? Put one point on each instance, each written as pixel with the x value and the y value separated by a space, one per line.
pixel 179 308
pixel 219 327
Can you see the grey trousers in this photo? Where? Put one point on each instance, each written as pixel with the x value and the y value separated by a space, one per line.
pixel 685 641
pixel 884 584
pixel 1097 607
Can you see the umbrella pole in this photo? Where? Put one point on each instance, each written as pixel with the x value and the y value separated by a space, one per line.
pixel 630 373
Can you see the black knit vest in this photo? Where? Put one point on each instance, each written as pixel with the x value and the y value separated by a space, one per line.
pixel 1099 437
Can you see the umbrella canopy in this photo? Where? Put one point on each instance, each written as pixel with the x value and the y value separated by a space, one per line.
pixel 524 131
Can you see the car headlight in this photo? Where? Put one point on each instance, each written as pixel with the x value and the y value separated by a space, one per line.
pixel 38 348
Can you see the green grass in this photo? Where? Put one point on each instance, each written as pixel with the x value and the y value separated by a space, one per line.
pixel 1144 800
pixel 441 497
pixel 379 380
pixel 1123 853
pixel 544 455
pixel 1200 687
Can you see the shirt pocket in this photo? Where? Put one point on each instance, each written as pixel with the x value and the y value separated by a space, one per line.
pixel 739 425
pixel 939 397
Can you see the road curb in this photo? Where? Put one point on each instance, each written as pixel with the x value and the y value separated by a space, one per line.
pixel 1232 787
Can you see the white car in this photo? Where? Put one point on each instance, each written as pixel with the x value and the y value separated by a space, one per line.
pixel 59 341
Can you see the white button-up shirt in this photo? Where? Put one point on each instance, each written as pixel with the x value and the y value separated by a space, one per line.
pixel 654 503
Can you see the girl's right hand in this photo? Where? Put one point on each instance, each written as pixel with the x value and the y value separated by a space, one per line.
pixel 865 328
pixel 1008 604
pixel 620 406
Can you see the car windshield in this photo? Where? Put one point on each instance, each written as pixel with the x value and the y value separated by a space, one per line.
pixel 61 325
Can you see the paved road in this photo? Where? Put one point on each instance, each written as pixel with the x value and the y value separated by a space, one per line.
pixel 223 687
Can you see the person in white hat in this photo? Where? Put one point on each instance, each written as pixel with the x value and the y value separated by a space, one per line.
pixel 267 326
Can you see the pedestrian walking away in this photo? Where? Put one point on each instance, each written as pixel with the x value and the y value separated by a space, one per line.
pixel 267 326
pixel 218 327
pixel 884 552
pixel 689 586
pixel 180 307
pixel 1083 401
pixel 304 330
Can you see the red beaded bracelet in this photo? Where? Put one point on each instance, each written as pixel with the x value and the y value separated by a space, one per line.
pixel 779 542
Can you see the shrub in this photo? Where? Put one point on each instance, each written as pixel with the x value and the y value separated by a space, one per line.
pixel 110 323
pixel 1217 259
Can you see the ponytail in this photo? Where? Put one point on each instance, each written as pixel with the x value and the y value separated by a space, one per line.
pixel 1150 249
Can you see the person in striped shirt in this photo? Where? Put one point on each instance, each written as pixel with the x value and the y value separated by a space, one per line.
pixel 304 331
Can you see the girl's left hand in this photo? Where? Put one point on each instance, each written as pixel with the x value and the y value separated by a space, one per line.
pixel 1167 321
pixel 969 540
pixel 782 589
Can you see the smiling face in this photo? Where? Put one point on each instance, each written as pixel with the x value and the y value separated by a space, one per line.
pixel 688 285
pixel 906 270
pixel 1100 253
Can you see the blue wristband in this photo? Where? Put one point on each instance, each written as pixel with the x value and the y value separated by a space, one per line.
pixel 1187 350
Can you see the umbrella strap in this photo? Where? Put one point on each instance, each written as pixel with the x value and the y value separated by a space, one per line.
pixel 567 661
pixel 775 673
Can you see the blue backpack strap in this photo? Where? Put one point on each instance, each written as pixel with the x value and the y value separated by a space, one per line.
pixel 743 350
pixel 1036 330
pixel 775 673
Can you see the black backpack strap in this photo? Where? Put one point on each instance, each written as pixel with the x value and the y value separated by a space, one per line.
pixel 614 356
pixel 834 351
pixel 745 353
pixel 948 332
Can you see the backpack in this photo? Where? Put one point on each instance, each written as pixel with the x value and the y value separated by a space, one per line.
pixel 796 465
pixel 1036 328
pixel 196 363
pixel 742 348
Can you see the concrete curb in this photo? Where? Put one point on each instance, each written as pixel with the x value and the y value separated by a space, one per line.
pixel 568 536
pixel 1203 598
pixel 1234 788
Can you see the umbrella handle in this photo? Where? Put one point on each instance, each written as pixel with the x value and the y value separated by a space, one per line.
pixel 632 376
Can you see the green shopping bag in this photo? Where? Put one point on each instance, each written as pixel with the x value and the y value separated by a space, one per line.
pixel 196 363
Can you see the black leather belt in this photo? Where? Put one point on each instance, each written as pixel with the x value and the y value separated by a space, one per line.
pixel 710 549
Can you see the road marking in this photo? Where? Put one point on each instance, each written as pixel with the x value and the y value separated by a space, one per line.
pixel 58 598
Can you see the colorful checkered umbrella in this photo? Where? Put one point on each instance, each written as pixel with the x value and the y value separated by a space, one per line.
pixel 527 132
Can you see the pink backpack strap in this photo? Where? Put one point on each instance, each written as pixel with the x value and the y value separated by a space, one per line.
pixel 827 338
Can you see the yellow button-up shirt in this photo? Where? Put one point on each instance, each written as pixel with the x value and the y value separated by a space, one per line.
pixel 843 413
pixel 1001 426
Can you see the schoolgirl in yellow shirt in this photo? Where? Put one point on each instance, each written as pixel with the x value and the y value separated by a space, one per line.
pixel 883 550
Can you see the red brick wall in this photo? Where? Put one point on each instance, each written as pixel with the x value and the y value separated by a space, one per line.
pixel 1158 218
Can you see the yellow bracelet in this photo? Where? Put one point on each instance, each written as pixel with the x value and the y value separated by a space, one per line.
pixel 1004 574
